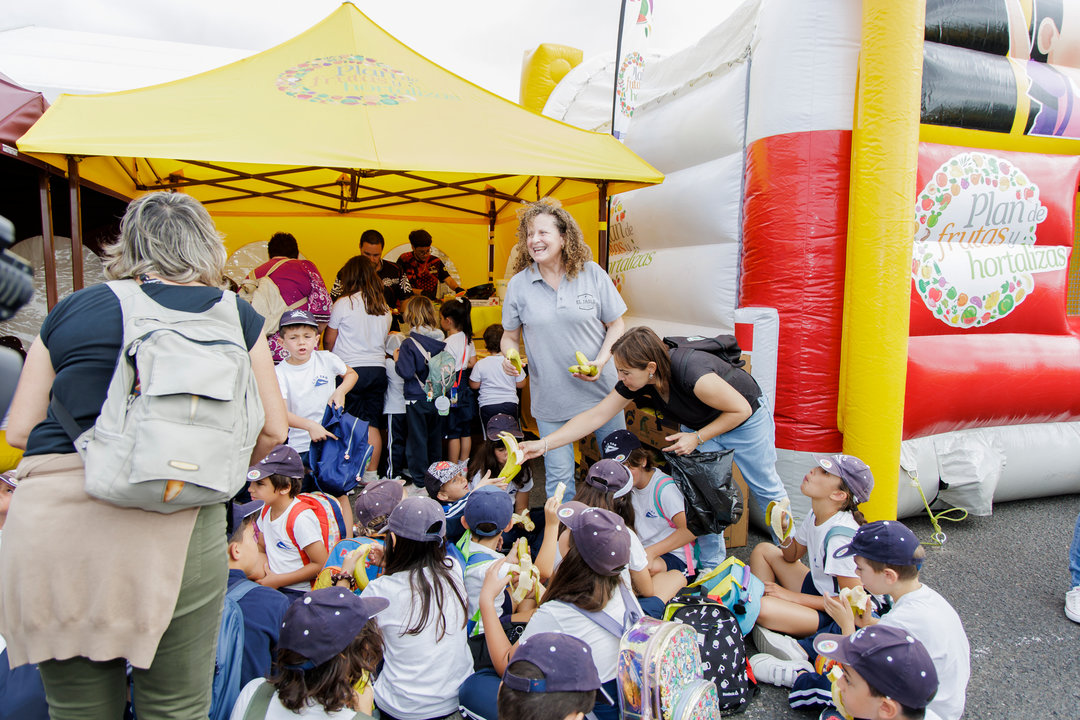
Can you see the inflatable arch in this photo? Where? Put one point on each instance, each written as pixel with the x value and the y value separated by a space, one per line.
pixel 883 203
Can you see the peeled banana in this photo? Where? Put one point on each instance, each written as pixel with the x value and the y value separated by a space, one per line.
pixel 515 359
pixel 858 598
pixel 560 490
pixel 778 515
pixel 524 520
pixel 515 456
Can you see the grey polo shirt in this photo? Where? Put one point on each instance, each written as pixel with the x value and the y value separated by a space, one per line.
pixel 556 323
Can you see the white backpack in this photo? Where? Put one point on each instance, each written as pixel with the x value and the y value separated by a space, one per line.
pixel 265 297
pixel 182 412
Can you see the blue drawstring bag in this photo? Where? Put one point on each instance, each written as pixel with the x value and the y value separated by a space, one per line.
pixel 339 464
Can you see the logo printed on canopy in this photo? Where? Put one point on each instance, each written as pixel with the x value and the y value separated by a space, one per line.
pixel 975 259
pixel 349 80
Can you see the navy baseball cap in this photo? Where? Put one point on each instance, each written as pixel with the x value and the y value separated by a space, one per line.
pixel 441 472
pixel 600 535
pixel 488 505
pixel 298 317
pixel 282 460
pixel 418 518
pixel 853 471
pixel 891 661
pixel 618 445
pixel 565 661
pixel 884 541
pixel 324 622
pixel 375 503
pixel 240 512
pixel 610 476
pixel 502 423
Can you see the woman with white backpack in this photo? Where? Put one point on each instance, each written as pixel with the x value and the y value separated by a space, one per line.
pixel 137 587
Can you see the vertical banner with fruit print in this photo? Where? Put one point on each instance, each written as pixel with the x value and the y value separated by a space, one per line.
pixel 992 239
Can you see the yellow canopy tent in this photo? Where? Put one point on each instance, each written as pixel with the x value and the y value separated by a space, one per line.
pixel 341 121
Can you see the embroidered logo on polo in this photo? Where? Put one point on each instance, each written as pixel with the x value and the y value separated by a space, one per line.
pixel 321 380
pixel 586 301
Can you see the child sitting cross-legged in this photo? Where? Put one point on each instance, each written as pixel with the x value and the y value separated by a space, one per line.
pixel 329 648
pixel 488 512
pixel 794 601
pixel 275 480
pixel 552 677
pixel 659 506
pixel 887 674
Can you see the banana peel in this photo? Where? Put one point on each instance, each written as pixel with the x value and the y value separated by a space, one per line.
pixel 515 359
pixel 528 576
pixel 560 490
pixel 515 456
pixel 857 598
pixel 778 515
pixel 524 520
pixel 172 489
pixel 583 367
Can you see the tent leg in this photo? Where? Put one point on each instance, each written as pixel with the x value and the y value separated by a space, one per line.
pixel 47 238
pixel 602 225
pixel 75 191
pixel 491 240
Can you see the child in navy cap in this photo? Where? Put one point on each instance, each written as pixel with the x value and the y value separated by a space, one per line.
pixel 887 675
pixel 552 677
pixel 328 649
pixel 888 558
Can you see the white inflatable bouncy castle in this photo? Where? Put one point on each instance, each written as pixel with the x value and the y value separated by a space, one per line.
pixel 879 199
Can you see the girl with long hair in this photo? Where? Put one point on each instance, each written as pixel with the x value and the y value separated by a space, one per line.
pixel 426 654
pixel 359 324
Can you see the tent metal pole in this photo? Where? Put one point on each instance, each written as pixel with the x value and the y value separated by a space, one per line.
pixel 75 191
pixel 602 225
pixel 47 238
pixel 491 240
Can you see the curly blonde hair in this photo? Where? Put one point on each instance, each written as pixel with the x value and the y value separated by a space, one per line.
pixel 575 253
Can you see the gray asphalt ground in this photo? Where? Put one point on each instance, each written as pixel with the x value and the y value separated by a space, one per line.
pixel 1006 575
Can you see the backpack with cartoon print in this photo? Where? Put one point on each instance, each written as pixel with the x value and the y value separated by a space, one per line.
pixel 723 652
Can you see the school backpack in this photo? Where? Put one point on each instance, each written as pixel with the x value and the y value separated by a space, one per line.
pixel 724 347
pixel 230 652
pixel 326 509
pixel 265 297
pixel 182 412
pixel 723 650
pixel 733 585
pixel 473 625
pixel 658 663
pixel 338 462
pixel 441 374
pixel 335 560
pixel 841 531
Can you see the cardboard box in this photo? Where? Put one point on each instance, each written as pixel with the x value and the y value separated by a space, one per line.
pixel 652 432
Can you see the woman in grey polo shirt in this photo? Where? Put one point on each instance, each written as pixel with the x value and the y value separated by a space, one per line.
pixel 566 304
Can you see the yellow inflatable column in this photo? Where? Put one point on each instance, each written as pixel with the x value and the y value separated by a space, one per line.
pixel 884 154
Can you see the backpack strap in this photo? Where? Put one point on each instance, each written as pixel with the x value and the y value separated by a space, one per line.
pixel 275 266
pixel 613 626
pixel 237 592
pixel 841 531
pixel 291 520
pixel 260 702
pixel 688 549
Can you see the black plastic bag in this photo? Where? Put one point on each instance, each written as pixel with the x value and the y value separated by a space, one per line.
pixel 713 500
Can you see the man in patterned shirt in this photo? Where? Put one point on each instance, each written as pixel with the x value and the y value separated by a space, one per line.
pixel 423 269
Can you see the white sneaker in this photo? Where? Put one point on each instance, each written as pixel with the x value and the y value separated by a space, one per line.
pixel 778 645
pixel 775 671
pixel 370 476
pixel 1072 604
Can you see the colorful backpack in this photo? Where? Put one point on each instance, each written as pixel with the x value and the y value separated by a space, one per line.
pixel 441 374
pixel 733 585
pixel 723 651
pixel 658 664
pixel 326 509
pixel 336 558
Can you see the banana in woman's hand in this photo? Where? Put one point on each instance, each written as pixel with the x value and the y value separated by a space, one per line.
pixel 515 456
pixel 515 359
pixel 583 366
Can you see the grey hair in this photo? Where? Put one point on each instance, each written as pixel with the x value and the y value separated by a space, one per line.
pixel 170 235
